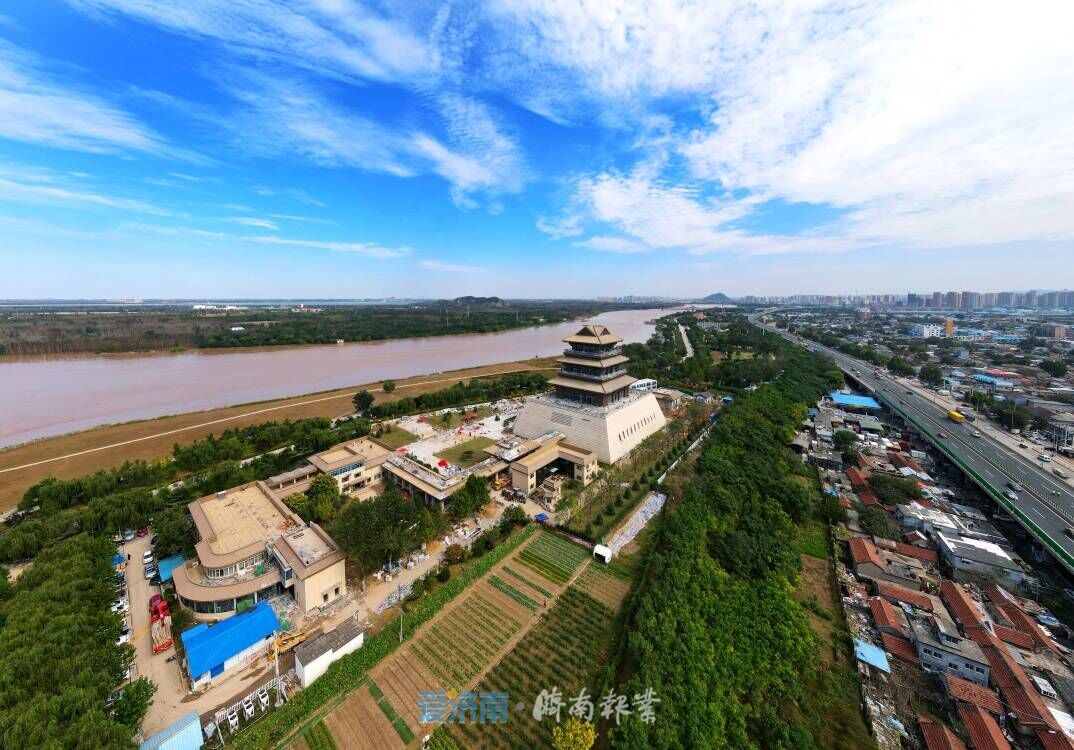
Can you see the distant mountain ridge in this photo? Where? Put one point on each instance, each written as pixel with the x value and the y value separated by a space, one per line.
pixel 719 299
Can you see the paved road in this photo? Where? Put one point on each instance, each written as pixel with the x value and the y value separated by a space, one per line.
pixel 686 343
pixel 1048 514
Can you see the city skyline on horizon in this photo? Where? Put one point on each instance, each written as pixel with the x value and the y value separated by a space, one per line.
pixel 529 150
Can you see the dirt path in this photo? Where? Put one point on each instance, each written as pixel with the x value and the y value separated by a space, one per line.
pixel 81 453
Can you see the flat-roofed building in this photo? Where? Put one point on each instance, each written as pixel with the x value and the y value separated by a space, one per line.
pixel 356 466
pixel 940 648
pixel 250 547
pixel 975 557
pixel 528 462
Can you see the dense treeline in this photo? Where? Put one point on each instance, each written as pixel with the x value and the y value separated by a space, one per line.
pixel 715 630
pixel 460 394
pixel 136 328
pixel 131 495
pixel 58 652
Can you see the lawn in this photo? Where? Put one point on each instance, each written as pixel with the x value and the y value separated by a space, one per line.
pixel 467 453
pixel 397 438
pixel 454 418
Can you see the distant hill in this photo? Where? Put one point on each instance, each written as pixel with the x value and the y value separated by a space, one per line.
pixel 719 299
pixel 478 301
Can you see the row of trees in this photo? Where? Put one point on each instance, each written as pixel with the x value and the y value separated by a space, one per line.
pixel 58 654
pixel 716 631
pixel 306 435
pixel 473 392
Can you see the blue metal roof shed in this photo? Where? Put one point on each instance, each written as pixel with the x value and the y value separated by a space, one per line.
pixel 858 402
pixel 167 565
pixel 184 734
pixel 208 648
pixel 872 655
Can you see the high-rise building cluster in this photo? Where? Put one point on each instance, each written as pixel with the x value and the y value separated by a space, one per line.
pixel 964 300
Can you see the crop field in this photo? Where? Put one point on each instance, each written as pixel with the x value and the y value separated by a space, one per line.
pixel 553 557
pixel 503 586
pixel 456 648
pixel 603 585
pixel 360 724
pixel 528 581
pixel 566 649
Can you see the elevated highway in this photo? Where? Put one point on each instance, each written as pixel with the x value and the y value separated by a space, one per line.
pixel 1045 505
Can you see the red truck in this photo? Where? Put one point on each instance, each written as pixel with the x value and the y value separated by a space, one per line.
pixel 160 624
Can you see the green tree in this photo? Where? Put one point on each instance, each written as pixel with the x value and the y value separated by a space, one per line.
pixel 900 366
pixel 362 401
pixel 843 439
pixel 930 375
pixel 174 530
pixel 470 498
pixel 878 522
pixel 573 734
pixel 388 386
pixel 132 706
pixel 1054 367
pixel 300 504
pixel 323 498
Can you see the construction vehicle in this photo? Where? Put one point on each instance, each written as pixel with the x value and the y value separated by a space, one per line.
pixel 500 482
pixel 160 625
pixel 288 641
pixel 956 417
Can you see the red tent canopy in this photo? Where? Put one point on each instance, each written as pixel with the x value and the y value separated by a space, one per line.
pixel 402 450
pixel 421 419
pixel 471 415
pixel 442 463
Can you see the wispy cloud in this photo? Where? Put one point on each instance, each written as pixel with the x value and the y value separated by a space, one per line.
pixel 606 244
pixel 367 249
pixel 36 108
pixel 32 185
pixel 436 265
pixel 329 37
pixel 250 221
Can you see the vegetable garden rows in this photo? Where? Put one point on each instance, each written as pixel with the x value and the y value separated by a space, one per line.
pixel 565 650
pixel 553 557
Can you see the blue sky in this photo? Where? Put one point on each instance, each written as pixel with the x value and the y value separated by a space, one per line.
pixel 328 148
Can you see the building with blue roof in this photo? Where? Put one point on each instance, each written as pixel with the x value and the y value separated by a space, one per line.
pixel 872 655
pixel 184 734
pixel 167 565
pixel 213 650
pixel 850 401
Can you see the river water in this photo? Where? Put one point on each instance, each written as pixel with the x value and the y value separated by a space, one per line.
pixel 54 395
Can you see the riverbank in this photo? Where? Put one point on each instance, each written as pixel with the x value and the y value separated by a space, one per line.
pixel 79 453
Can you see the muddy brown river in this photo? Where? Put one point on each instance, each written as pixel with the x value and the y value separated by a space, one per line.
pixel 54 395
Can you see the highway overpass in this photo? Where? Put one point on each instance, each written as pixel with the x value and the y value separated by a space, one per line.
pixel 1045 505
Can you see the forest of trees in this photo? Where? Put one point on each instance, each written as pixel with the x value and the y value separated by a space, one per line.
pixel 136 328
pixel 58 654
pixel 716 631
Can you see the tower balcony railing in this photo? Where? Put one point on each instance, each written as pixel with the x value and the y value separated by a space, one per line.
pixel 603 354
pixel 596 377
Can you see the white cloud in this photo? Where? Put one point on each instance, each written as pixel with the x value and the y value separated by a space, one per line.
pixel 367 249
pixel 249 221
pixel 606 244
pixel 36 109
pixel 331 37
pixel 29 185
pixel 924 124
pixel 565 226
pixel 436 265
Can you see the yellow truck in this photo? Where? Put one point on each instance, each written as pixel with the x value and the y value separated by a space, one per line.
pixel 956 417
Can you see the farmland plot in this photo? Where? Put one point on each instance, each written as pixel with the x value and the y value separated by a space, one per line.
pixel 566 650
pixel 608 589
pixel 359 724
pixel 553 557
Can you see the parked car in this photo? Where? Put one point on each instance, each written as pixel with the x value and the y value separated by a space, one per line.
pixel 1069 532
pixel 150 571
pixel 1011 496
pixel 117 538
pixel 1023 445
pixel 128 535
pixel 977 433
pixel 1014 486
pixel 1059 473
pixel 123 638
pixel 143 531
pixel 153 601
pixel 1044 457
pixel 147 557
